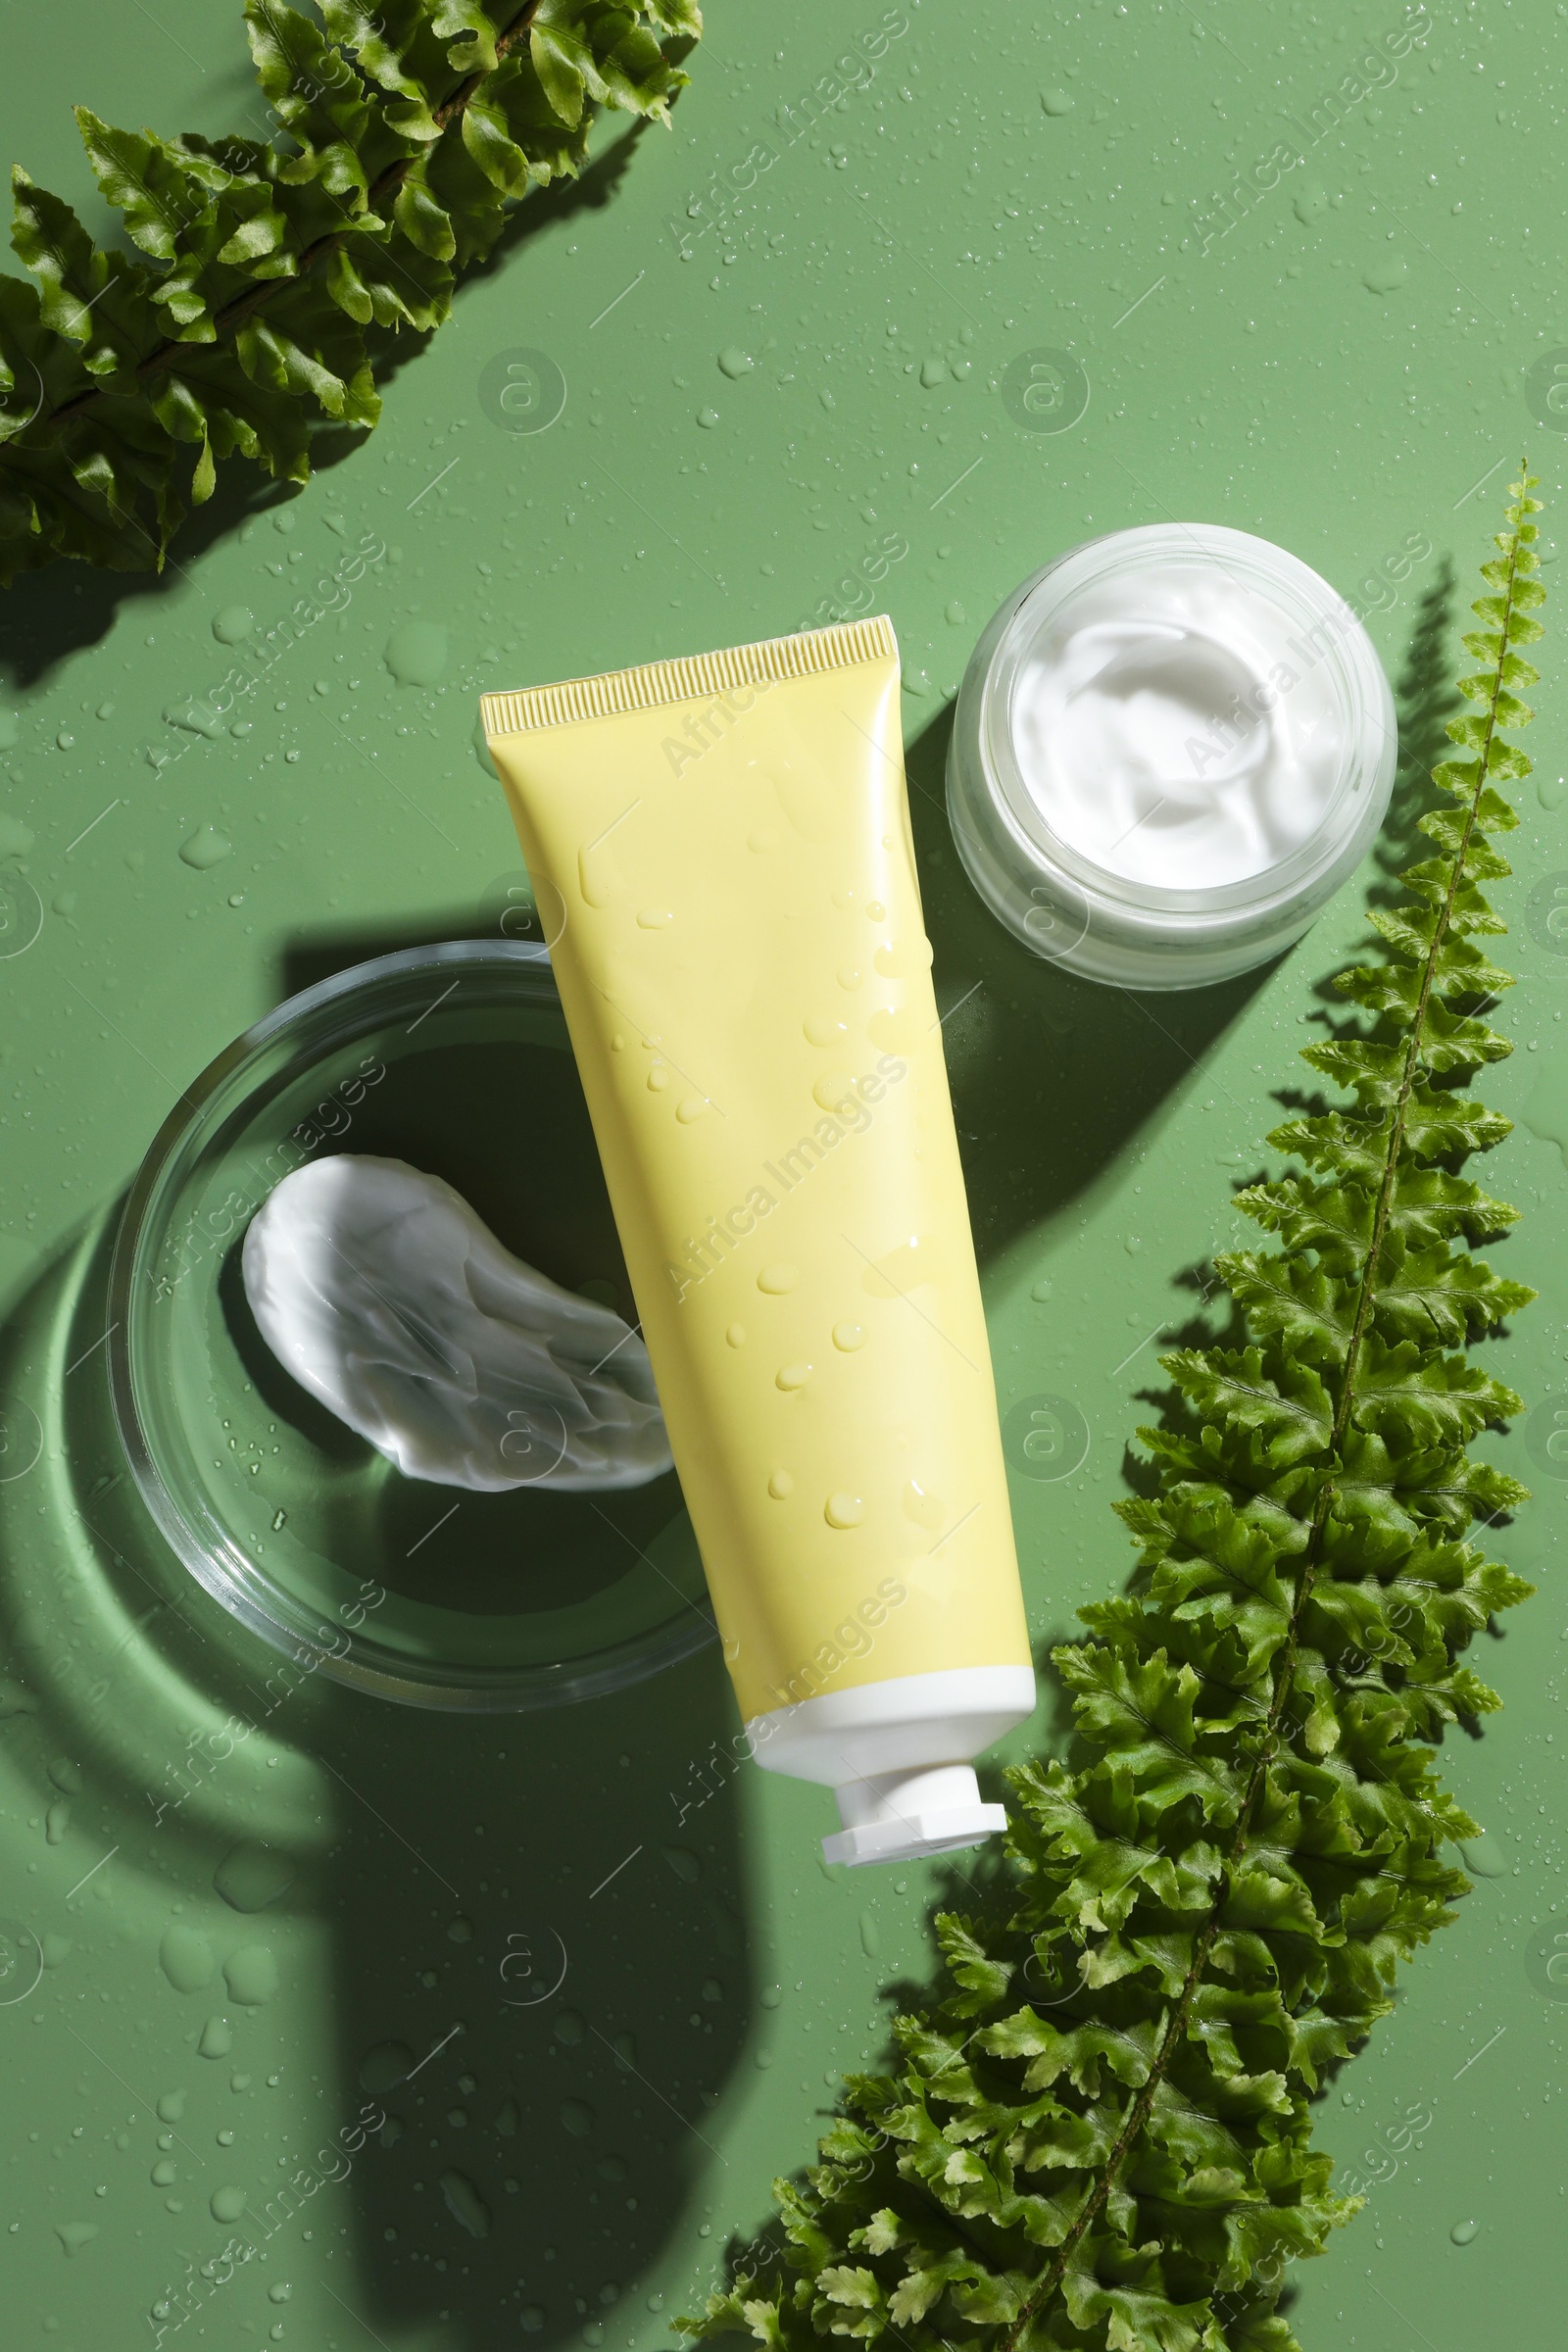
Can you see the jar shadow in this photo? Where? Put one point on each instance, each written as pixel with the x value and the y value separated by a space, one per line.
pixel 1051 1075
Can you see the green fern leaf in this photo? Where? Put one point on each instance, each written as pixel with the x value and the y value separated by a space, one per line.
pixel 407 128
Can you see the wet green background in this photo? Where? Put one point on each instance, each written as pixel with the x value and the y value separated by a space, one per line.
pixel 1348 370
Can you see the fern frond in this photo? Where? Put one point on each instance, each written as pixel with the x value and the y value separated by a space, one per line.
pixel 1101 2136
pixel 240 316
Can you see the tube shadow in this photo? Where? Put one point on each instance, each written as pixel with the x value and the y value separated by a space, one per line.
pixel 534 1951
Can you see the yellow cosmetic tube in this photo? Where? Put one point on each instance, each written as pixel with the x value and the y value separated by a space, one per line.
pixel 720 852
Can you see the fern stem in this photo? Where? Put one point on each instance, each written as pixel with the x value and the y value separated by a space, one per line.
pixel 1139 2112
pixel 255 297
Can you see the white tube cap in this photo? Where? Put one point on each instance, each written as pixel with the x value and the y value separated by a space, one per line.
pixel 898 1816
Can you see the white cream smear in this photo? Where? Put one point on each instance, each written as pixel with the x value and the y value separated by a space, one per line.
pixel 386 1296
pixel 1174 728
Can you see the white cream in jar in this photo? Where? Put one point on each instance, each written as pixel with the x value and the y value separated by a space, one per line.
pixel 1171 747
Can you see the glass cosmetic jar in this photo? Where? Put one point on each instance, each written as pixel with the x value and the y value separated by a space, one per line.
pixel 1171 747
pixel 455 1059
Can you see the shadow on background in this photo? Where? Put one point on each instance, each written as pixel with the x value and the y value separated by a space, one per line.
pixel 1425 700
pixel 69 605
pixel 1051 1075
pixel 304 958
pixel 531 1929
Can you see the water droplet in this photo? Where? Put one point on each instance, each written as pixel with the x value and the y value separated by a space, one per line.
pixel 105 710
pixel 383 2067
pixel 1039 1292
pixel 218 2038
pixel 821 1029
pixel 577 2117
pixel 568 2027
pixel 736 1335
pixel 780 1485
pixel 279 1521
pixel 279 2291
pixel 205 847
pixel 1056 102
pixel 532 2318
pixel 73 2235
pixel 659 1077
pixel 1463 2232
pixel 56 1822
pixel 848 1337
pixel 461 1930
pixel 707 419
pixel 691 1107
pixel 233 624
pixel 172 2106
pixel 926 1510
pixel 65 741
pixel 870 1935
pixel 843 1510
pixel 165 2173
pixel 793 1376
pixel 186 1959
pixel 933 373
pixel 252 1875
pixel 464 2204
pixel 227 2204
pixel 417 653
pixel 777 1279
pixel 835 1090
pixel 736 363
pixel 1481 1858
pixel 251 1975
pixel 685 1865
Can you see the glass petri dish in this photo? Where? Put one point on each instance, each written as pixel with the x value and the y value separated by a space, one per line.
pixel 455 1058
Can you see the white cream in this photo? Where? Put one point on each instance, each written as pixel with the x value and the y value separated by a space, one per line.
pixel 385 1296
pixel 1173 728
